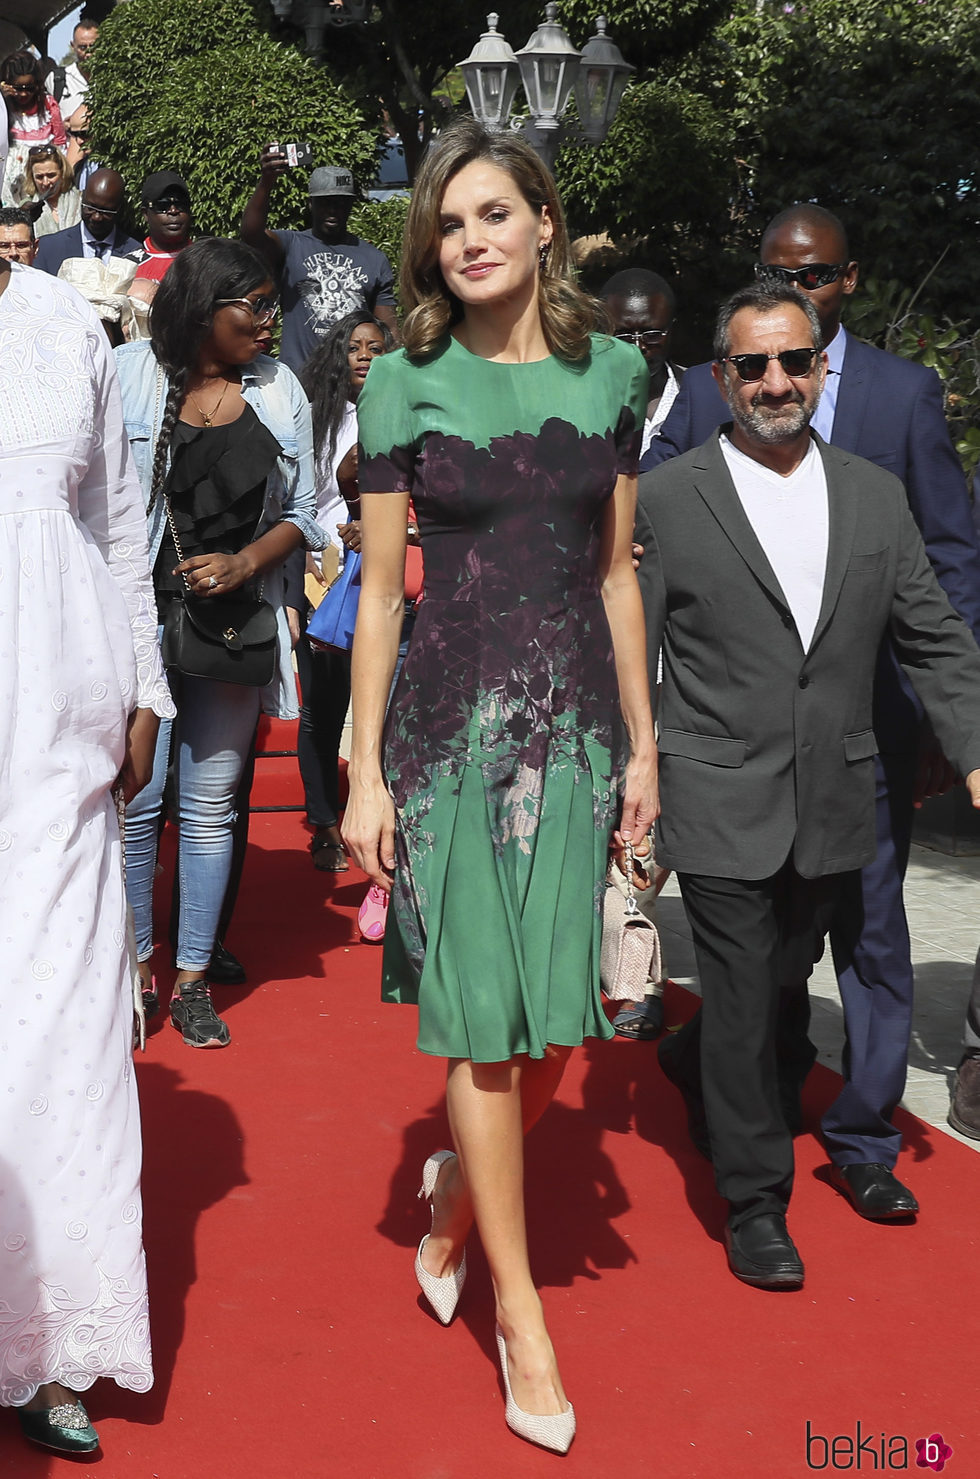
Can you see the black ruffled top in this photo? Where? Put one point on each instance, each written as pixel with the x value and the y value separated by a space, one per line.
pixel 216 488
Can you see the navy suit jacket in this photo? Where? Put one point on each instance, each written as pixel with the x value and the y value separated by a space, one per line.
pixel 890 411
pixel 61 245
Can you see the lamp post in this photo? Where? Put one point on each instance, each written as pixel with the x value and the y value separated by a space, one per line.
pixel 550 69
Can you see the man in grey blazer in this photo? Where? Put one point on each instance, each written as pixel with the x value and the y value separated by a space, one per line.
pixel 774 563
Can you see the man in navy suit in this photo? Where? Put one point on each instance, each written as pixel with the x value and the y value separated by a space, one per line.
pixel 98 234
pixel 889 411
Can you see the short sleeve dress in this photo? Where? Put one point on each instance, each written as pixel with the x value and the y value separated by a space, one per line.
pixel 503 744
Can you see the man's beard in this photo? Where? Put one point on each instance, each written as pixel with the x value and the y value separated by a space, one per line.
pixel 773 426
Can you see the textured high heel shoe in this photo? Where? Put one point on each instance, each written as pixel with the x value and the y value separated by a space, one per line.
pixel 554 1431
pixel 65 1428
pixel 442 1293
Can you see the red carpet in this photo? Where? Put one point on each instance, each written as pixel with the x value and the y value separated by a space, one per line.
pixel 281 1222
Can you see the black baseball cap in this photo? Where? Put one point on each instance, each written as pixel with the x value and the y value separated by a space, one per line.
pixel 155 187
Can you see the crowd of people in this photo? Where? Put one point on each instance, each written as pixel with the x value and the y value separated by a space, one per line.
pixel 794 593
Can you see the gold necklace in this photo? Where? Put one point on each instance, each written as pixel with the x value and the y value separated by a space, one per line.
pixel 206 417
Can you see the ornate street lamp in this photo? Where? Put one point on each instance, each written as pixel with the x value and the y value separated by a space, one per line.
pixel 548 63
pixel 550 68
pixel 600 84
pixel 491 75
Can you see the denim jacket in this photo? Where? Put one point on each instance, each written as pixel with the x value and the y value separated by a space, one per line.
pixel 277 398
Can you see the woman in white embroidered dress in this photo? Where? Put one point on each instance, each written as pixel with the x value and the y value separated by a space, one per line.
pixel 81 690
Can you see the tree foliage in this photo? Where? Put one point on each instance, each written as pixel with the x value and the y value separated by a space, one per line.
pixel 225 88
pixel 871 110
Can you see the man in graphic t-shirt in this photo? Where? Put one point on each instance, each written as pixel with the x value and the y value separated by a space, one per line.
pixel 324 273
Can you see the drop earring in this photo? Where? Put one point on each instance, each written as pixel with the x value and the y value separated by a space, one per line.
pixel 543 256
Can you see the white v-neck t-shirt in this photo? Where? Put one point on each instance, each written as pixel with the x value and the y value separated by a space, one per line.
pixel 790 520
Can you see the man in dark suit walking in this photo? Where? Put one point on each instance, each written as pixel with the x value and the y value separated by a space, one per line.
pixel 773 566
pixel 890 411
pixel 98 234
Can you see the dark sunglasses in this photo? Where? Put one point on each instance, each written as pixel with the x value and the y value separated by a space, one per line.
pixel 814 275
pixel 263 310
pixel 77 133
pixel 42 151
pixel 169 206
pixel 643 338
pixel 797 363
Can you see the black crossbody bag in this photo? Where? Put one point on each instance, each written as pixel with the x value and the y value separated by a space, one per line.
pixel 229 638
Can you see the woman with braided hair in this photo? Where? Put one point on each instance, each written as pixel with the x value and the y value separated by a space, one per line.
pixel 222 437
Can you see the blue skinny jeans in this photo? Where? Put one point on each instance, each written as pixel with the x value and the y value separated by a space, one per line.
pixel 214 728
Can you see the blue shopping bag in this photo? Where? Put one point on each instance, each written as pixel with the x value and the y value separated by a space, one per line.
pixel 332 623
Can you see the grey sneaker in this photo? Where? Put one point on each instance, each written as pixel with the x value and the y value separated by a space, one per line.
pixel 964 1112
pixel 193 1015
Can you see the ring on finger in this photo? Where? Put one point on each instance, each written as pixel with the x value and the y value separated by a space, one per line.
pixel 212 583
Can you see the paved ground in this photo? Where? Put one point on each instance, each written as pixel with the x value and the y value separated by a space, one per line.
pixel 942 896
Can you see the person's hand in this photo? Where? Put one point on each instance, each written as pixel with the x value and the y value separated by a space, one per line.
pixel 272 163
pixel 141 742
pixel 637 555
pixel 641 800
pixel 934 774
pixel 642 861
pixel 214 575
pixel 312 568
pixel 351 534
pixel 973 786
pixel 368 829
pixel 6 89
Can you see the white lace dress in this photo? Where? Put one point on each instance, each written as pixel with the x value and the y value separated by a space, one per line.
pixel 78 637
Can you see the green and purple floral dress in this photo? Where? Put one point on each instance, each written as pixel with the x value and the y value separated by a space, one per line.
pixel 503 744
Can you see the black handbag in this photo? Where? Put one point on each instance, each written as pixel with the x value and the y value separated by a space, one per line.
pixel 232 639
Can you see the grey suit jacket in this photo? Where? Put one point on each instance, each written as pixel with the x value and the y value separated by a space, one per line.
pixel 766 750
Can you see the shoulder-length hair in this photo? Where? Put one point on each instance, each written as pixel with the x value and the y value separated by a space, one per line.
pixel 181 315
pixel 568 316
pixel 326 379
pixel 65 171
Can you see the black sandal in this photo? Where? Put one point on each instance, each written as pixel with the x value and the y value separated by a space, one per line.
pixel 329 857
pixel 641 1021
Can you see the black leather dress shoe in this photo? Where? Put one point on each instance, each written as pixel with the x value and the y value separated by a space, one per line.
pixel 225 969
pixel 697 1124
pixel 762 1253
pixel 874 1191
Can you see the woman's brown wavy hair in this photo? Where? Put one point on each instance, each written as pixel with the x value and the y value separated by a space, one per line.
pixel 568 316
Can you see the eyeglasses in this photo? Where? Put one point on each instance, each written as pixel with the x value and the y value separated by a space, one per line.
pixel 15 248
pixel 797 363
pixel 170 206
pixel 98 210
pixel 263 310
pixel 77 133
pixel 643 338
pixel 814 275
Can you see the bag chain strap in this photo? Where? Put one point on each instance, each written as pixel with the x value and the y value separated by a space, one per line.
pixel 631 904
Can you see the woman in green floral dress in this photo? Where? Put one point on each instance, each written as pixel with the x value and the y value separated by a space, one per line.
pixel 490 801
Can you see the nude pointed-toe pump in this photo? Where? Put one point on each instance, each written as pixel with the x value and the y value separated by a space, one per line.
pixel 442 1293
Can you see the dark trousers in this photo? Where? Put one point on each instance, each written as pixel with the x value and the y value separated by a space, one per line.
pixel 324 680
pixel 755 941
pixel 869 937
